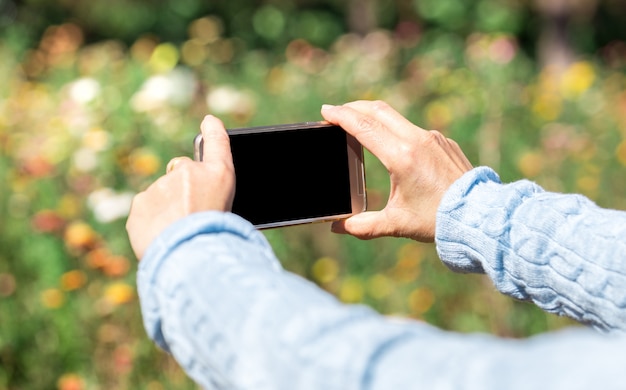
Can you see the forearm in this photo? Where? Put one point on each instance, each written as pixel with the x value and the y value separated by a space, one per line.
pixel 560 251
pixel 222 305
pixel 213 294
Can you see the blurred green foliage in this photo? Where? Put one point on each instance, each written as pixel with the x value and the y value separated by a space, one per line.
pixel 97 96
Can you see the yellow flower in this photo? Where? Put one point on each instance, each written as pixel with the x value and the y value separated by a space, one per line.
pixel 351 290
pixel 325 269
pixel 164 58
pixel 379 286
pixel 119 293
pixel 577 79
pixel 547 106
pixel 530 164
pixel 438 115
pixel 144 162
pixel 79 235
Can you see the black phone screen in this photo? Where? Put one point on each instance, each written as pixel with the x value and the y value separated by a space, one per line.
pixel 291 174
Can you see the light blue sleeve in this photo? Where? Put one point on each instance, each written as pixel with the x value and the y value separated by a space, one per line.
pixel 560 251
pixel 213 294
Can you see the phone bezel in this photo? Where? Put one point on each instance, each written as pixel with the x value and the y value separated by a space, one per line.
pixel 358 193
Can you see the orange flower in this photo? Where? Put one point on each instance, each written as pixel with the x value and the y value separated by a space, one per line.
pixel 79 235
pixel 52 298
pixel 97 258
pixel 144 162
pixel 70 382
pixel 37 166
pixel 116 266
pixel 73 280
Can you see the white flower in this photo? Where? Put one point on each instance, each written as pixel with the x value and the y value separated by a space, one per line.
pixel 108 205
pixel 84 90
pixel 85 159
pixel 227 99
pixel 176 88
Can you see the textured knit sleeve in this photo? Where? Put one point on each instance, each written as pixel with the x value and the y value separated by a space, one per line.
pixel 560 251
pixel 213 295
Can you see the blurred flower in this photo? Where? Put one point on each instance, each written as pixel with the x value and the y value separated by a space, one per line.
pixel 119 293
pixel 407 268
pixel 351 290
pixel 420 300
pixel 85 159
pixel 110 265
pixel 307 57
pixel 37 166
pixel 52 298
pixel 7 284
pixel 547 106
pixel 96 139
pixel 71 382
pixel 620 152
pixel 116 266
pixel 577 79
pixel 438 115
pixel 588 185
pixel 144 162
pixel 193 52
pixel 109 333
pixel 80 236
pixel 69 206
pixel 164 58
pixel 143 48
pixel 379 286
pixel 73 280
pixel 226 99
pixel 123 359
pixel 97 258
pixel 502 49
pixel 206 30
pixel 47 221
pixel 60 43
pixel 530 164
pixel 176 88
pixel 85 90
pixel 325 270
pixel 108 205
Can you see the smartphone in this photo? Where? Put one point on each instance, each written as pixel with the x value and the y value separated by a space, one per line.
pixel 295 173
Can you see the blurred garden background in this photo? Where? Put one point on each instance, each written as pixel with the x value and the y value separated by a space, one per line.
pixel 96 96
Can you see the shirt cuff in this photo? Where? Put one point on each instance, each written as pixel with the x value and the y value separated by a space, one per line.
pixel 451 211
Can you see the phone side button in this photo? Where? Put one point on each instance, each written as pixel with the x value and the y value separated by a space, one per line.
pixel 360 177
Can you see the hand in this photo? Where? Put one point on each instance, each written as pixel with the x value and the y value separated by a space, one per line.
pixel 188 187
pixel 422 165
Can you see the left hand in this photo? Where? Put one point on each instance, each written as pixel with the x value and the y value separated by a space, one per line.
pixel 188 187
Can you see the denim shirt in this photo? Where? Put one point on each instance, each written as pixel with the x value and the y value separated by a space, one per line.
pixel 214 295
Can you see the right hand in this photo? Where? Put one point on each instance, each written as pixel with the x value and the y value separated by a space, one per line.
pixel 422 165
pixel 187 188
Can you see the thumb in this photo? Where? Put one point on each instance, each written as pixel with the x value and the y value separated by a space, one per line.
pixel 366 225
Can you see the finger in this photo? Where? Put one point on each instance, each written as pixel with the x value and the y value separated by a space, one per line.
pixel 386 115
pixel 366 129
pixel 366 225
pixel 216 144
pixel 175 162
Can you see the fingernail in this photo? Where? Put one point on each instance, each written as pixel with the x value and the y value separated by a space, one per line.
pixel 327 107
